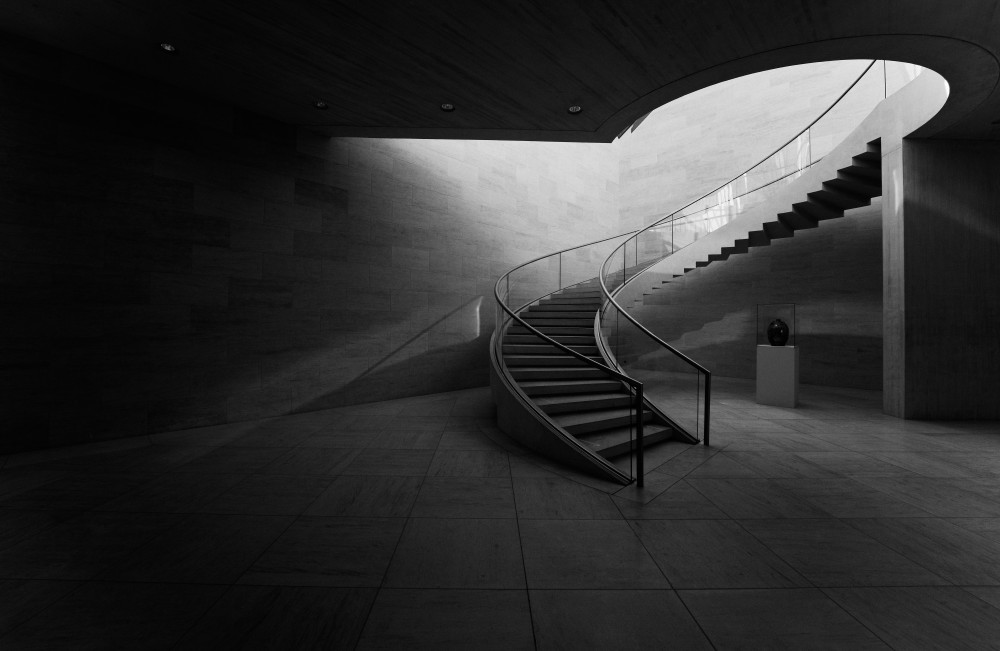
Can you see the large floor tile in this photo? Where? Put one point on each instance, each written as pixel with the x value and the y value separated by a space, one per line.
pixel 115 616
pixel 20 479
pixel 469 463
pixel 754 498
pixel 986 527
pixel 586 554
pixel 312 461
pixel 449 619
pixel 336 552
pixel 83 547
pixel 470 438
pixel 390 462
pixel 923 617
pixel 175 492
pixel 803 618
pixel 457 553
pixel 551 498
pixel 613 619
pixel 844 497
pixel 942 497
pixel 77 492
pixel 282 617
pixel 680 501
pixel 775 464
pixel 989 594
pixel 406 440
pixel 21 599
pixel 722 465
pixel 234 459
pixel 465 497
pixel 832 553
pixel 16 525
pixel 378 496
pixel 713 554
pixel 350 439
pixel 854 464
pixel 951 552
pixel 269 495
pixel 203 548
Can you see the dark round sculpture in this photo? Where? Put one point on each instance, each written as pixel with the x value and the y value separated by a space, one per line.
pixel 777 333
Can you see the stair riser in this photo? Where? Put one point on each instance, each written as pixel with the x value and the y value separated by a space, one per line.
pixel 579 331
pixel 536 349
pixel 628 445
pixel 581 373
pixel 544 360
pixel 575 389
pixel 607 423
pixel 532 314
pixel 529 340
pixel 576 406
pixel 543 321
pixel 547 306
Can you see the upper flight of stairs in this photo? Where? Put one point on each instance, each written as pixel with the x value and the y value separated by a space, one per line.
pixel 853 187
pixel 583 400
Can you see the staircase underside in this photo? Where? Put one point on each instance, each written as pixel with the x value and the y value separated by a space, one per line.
pixel 853 187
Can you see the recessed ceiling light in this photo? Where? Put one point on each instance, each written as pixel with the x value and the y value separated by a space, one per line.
pixel 321 105
pixel 448 107
pixel 167 47
pixel 575 109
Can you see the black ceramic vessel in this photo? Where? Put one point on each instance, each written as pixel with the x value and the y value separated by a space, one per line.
pixel 777 333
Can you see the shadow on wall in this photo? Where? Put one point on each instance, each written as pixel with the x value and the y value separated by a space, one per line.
pixel 417 365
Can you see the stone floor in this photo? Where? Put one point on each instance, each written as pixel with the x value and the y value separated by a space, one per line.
pixel 416 524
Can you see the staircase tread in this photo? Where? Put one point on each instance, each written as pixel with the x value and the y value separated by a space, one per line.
pixel 581 398
pixel 601 438
pixel 570 419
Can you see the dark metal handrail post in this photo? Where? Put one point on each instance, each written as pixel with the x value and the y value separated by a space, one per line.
pixel 708 404
pixel 638 438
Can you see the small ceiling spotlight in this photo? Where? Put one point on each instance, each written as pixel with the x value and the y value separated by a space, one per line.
pixel 447 107
pixel 575 109
pixel 167 47
pixel 321 105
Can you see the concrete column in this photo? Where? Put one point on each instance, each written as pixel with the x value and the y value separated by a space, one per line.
pixel 941 244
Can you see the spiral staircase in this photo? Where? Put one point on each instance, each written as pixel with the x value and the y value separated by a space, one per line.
pixel 561 377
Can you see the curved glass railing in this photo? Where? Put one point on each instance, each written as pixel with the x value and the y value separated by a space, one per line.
pixel 677 385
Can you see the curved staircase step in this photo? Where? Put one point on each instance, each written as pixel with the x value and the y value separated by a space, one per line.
pixel 556 373
pixel 592 421
pixel 546 360
pixel 567 387
pixel 589 349
pixel 552 330
pixel 614 442
pixel 584 402
pixel 568 340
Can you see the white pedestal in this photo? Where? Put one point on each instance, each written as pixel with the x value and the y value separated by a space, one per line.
pixel 778 375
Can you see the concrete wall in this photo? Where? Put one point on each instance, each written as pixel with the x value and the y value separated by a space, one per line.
pixel 700 141
pixel 832 273
pixel 169 263
pixel 946 280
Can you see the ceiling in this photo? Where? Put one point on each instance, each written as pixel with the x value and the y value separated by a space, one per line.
pixel 511 68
